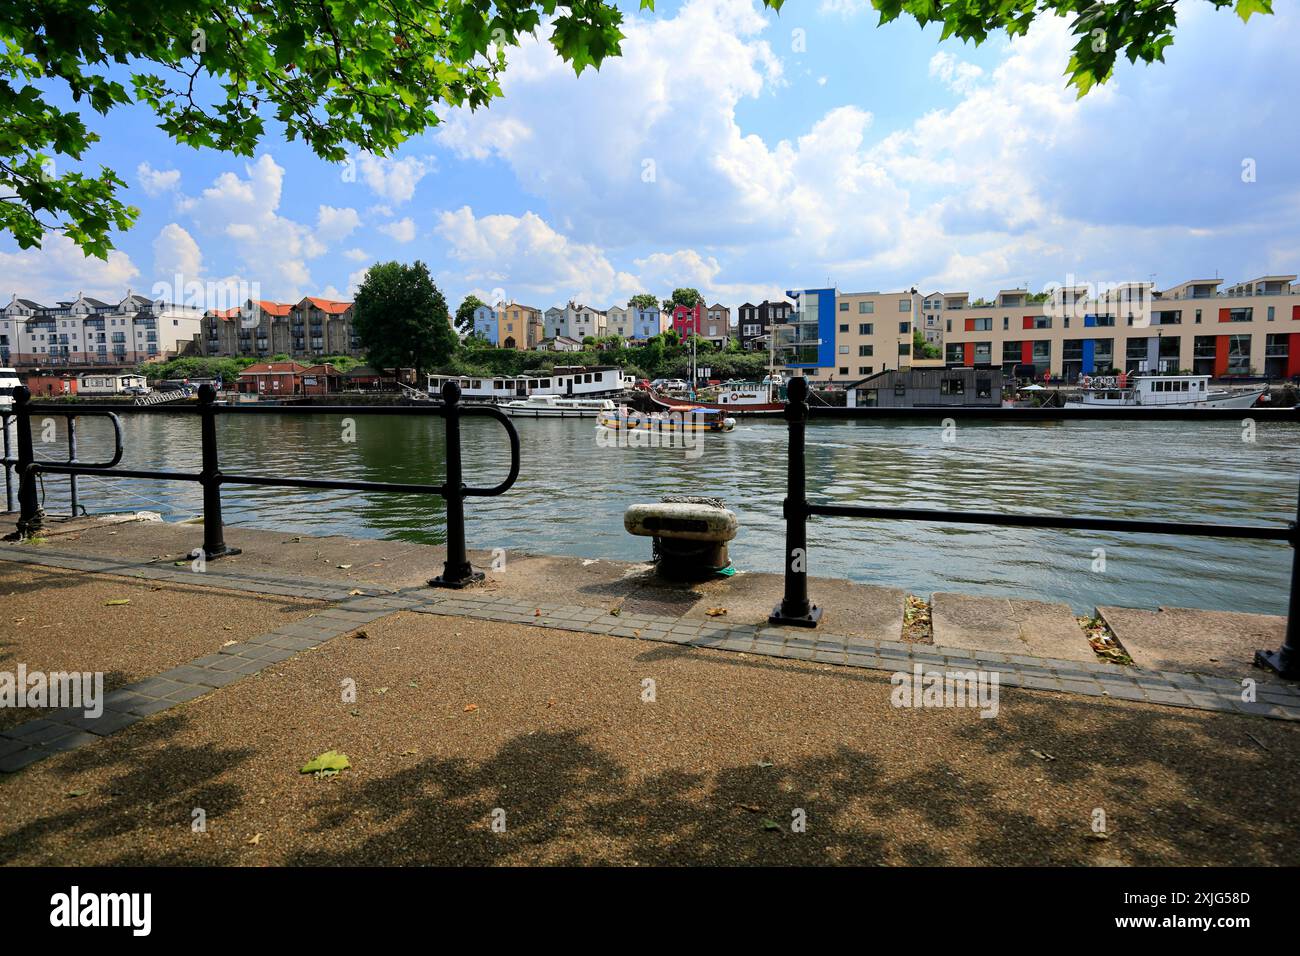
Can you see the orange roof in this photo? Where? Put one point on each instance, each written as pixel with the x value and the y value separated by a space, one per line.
pixel 329 305
pixel 275 308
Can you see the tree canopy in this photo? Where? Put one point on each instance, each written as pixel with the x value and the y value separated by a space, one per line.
pixel 465 314
pixel 401 318
pixel 357 74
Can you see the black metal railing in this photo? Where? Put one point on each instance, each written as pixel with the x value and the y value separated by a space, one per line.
pixel 457 570
pixel 798 610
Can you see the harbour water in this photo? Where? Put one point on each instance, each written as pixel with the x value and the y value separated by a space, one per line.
pixel 572 491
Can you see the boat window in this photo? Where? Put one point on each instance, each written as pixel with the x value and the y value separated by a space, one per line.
pixel 900 390
pixel 984 388
pixel 498 384
pixel 545 383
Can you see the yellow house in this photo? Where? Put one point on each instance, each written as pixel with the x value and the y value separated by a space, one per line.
pixel 518 326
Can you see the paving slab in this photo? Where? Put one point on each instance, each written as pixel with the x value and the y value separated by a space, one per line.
pixel 1008 626
pixel 1218 643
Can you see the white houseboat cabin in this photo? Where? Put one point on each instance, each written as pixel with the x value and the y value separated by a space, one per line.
pixel 108 383
pixel 570 380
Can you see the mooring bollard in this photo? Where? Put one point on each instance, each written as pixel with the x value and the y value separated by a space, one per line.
pixel 31 516
pixel 214 541
pixel 795 609
pixel 457 572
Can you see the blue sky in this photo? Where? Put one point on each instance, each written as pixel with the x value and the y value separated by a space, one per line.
pixel 745 153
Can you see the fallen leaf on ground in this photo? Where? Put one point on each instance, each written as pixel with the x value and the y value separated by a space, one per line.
pixel 78 793
pixel 752 808
pixel 344 567
pixel 255 839
pixel 764 763
pixel 327 764
pixel 1042 756
pixel 117 602
pixel 716 611
pixel 228 643
pixel 354 591
pixel 470 708
pixel 361 635
pixel 771 825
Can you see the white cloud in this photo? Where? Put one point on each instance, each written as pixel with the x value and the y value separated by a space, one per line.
pixel 156 182
pixel 394 179
pixel 334 224
pixel 175 253
pixel 356 255
pixel 403 230
pixel 956 74
pixel 272 247
pixel 59 270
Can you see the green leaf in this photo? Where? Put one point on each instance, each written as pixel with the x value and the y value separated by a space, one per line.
pixel 327 764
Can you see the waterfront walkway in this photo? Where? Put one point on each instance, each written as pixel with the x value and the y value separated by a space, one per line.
pixel 571 711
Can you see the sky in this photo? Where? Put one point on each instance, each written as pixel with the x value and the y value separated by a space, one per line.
pixel 745 153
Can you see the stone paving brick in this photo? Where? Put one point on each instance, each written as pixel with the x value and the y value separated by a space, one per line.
pixel 188 692
pixel 9 745
pixel 39 731
pixel 111 722
pixel 151 707
pixel 16 761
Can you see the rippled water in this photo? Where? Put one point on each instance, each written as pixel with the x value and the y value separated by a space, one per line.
pixel 571 494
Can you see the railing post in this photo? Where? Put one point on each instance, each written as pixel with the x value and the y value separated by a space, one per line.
pixel 9 423
pixel 1285 661
pixel 31 515
pixel 72 460
pixel 795 609
pixel 214 541
pixel 457 572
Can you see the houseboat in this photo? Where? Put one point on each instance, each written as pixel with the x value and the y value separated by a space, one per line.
pixel 554 406
pixel 743 398
pixel 109 383
pixel 571 381
pixel 685 421
pixel 1159 391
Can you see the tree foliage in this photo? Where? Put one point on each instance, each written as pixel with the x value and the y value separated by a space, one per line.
pixel 465 314
pixel 645 300
pixel 687 297
pixel 357 74
pixel 1106 29
pixel 336 74
pixel 401 318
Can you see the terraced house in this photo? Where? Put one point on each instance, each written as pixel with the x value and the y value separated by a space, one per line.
pixel 86 331
pixel 518 326
pixel 834 337
pixel 260 328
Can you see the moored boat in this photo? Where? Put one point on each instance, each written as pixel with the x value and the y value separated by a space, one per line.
pixel 555 406
pixel 1160 391
pixel 686 421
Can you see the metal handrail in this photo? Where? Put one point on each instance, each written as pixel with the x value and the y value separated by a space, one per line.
pixel 797 610
pixel 457 570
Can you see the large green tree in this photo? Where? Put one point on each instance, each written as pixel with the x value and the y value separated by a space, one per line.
pixel 465 314
pixel 367 74
pixel 645 300
pixel 401 318
pixel 687 297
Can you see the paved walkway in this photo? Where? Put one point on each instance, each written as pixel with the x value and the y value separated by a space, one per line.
pixel 354 607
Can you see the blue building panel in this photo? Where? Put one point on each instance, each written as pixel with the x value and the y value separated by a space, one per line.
pixel 826 319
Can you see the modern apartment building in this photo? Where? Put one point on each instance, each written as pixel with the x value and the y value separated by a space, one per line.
pixel 260 329
pixel 88 331
pixel 839 337
pixel 1251 328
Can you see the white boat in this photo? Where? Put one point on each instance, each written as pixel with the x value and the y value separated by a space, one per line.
pixel 8 382
pixel 1160 391
pixel 555 406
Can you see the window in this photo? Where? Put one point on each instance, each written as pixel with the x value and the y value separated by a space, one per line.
pixel 844 328
pixel 952 386
pixel 844 350
pixel 1270 313
pixel 982 325
pixel 864 328
pixel 844 370
pixel 865 350
pixel 904 328
pixel 949 324
pixel 866 308
pixel 844 307
pixel 1198 316
pixel 864 369
pixel 983 387
pixel 904 305
pixel 1006 323
pixel 904 348
pixel 900 390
